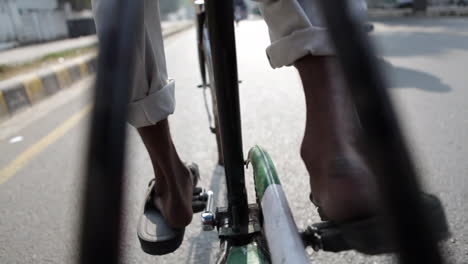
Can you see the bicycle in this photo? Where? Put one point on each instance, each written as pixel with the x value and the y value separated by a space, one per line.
pixel 260 232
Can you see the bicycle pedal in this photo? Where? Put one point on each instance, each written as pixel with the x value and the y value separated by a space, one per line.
pixel 202 197
pixel 365 236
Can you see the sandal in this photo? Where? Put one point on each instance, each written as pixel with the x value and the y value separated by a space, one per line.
pixel 155 235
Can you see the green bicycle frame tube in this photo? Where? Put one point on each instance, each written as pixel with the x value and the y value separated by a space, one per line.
pixel 284 242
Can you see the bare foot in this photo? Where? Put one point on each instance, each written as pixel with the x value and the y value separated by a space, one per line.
pixel 341 183
pixel 175 203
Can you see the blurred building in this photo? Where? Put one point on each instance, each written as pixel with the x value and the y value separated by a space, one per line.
pixel 28 21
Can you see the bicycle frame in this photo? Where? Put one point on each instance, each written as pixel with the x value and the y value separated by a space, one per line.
pixel 220 17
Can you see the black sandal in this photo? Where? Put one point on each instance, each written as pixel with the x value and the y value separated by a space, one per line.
pixel 155 235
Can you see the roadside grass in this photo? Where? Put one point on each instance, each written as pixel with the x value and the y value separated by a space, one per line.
pixel 9 71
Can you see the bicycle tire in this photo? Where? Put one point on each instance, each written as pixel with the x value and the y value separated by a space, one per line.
pixel 212 87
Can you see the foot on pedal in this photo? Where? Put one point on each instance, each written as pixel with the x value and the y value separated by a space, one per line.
pixel 368 235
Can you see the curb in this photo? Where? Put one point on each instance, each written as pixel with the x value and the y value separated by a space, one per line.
pixel 26 90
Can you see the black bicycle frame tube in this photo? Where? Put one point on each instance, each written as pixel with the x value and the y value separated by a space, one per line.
pixel 389 157
pixel 220 18
pixel 101 220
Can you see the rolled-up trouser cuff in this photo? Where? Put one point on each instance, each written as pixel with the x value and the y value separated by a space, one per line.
pixel 286 50
pixel 153 108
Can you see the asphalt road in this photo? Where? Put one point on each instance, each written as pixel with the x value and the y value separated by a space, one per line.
pixel 42 149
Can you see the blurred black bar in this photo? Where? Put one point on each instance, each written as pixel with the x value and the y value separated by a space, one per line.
pixel 220 16
pixel 390 159
pixel 103 186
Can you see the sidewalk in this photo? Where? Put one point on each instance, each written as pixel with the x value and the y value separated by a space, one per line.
pixel 27 54
pixel 27 89
pixel 22 55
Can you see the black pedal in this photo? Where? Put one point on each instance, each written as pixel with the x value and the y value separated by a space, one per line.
pixel 366 236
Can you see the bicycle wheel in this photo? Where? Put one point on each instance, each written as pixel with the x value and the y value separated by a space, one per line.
pixel 208 63
pixel 101 217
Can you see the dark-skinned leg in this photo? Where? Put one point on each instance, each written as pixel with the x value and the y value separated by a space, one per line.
pixel 340 181
pixel 174 185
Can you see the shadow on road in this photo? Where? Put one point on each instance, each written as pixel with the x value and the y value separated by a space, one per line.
pixel 409 78
pixel 449 23
pixel 421 43
pixel 420 37
pixel 201 245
